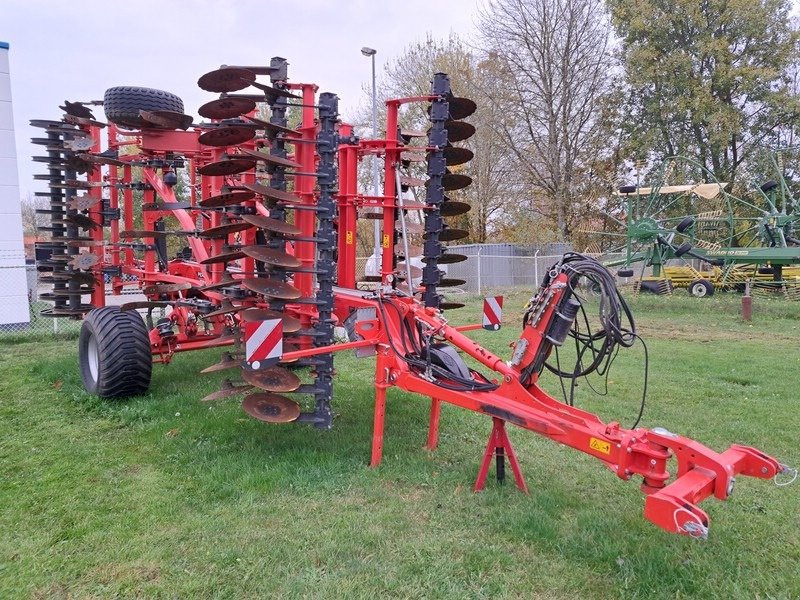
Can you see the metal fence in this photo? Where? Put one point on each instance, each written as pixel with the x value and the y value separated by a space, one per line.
pixel 480 273
pixel 32 323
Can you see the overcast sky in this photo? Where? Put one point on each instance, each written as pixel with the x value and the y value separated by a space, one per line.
pixel 76 49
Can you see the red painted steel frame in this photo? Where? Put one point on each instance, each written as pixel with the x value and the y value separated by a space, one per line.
pixel 701 472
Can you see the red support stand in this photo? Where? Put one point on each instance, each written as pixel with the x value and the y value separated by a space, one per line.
pixel 433 425
pixel 499 446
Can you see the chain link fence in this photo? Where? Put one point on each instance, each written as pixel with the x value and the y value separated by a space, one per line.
pixel 15 321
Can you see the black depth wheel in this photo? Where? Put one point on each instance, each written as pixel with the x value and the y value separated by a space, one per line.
pixel 122 104
pixel 114 353
pixel 700 288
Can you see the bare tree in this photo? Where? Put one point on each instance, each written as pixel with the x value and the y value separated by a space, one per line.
pixel 552 66
pixel 31 220
pixel 495 189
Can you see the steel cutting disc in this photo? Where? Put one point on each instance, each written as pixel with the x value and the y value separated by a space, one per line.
pixel 227 361
pixel 165 288
pixel 224 230
pixel 273 225
pixel 231 166
pixel 271 256
pixel 226 108
pixel 272 379
pixel 83 202
pixel 290 324
pixel 77 109
pixel 224 257
pixel 458 131
pixel 415 270
pixel 453 155
pixel 225 308
pixel 448 259
pixel 410 156
pixel 273 91
pixel 451 208
pixel 451 282
pixel 227 199
pixel 273 288
pixel 138 233
pixel 227 280
pixel 229 135
pixel 272 408
pixel 451 234
pixel 271 159
pixel 461 108
pixel 99 159
pixel 271 193
pixel 408 134
pixel 83 261
pixel 451 305
pixel 412 181
pixel 272 128
pixel 226 79
pixel 455 181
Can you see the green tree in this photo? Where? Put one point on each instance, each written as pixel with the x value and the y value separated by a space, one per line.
pixel 552 70
pixel 710 79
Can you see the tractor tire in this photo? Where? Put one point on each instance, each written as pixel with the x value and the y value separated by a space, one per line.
pixel 701 288
pixel 684 224
pixel 114 353
pixel 625 273
pixel 122 104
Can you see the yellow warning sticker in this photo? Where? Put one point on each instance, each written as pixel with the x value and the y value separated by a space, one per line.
pixel 385 240
pixel 599 445
pixel 349 238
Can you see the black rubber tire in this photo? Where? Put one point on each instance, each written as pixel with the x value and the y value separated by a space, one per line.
pixel 701 288
pixel 123 103
pixel 683 249
pixel 627 189
pixel 684 224
pixel 766 271
pixel 625 273
pixel 769 185
pixel 114 353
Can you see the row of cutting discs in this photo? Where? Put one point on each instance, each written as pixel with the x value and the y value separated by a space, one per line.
pixel 236 130
pixel 60 261
pixel 454 158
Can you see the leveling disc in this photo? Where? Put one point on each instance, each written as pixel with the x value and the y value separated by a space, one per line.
pixel 271 408
pixel 230 166
pixel 272 256
pixel 455 181
pixel 461 108
pixel 453 155
pixel 226 108
pixel 165 288
pixel 228 389
pixel 272 287
pixel 230 135
pixel 458 131
pixel 271 193
pixel 273 225
pixel 224 257
pixel 224 230
pixel 226 79
pixel 272 379
pixel 227 199
pixel 271 159
pixel 451 208
pixel 226 361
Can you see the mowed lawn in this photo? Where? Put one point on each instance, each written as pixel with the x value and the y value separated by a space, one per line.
pixel 163 496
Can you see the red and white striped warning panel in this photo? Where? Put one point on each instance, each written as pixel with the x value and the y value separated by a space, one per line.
pixel 263 343
pixel 492 312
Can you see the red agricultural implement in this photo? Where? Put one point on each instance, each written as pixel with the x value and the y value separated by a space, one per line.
pixel 263 198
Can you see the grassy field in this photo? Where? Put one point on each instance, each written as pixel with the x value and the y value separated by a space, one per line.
pixel 163 496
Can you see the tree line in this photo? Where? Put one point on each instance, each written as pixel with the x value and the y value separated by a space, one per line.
pixel 578 97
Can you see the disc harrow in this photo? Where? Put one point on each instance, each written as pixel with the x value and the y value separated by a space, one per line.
pixel 240 233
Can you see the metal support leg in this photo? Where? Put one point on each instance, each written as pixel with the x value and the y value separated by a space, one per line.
pixel 499 446
pixel 433 425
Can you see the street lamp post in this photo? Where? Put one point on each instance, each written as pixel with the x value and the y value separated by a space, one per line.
pixel 371 52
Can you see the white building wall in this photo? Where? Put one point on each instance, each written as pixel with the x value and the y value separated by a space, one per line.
pixel 13 284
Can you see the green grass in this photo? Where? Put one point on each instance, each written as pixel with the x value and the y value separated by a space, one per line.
pixel 163 496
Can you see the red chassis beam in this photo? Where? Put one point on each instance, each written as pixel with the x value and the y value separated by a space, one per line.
pixel 671 505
